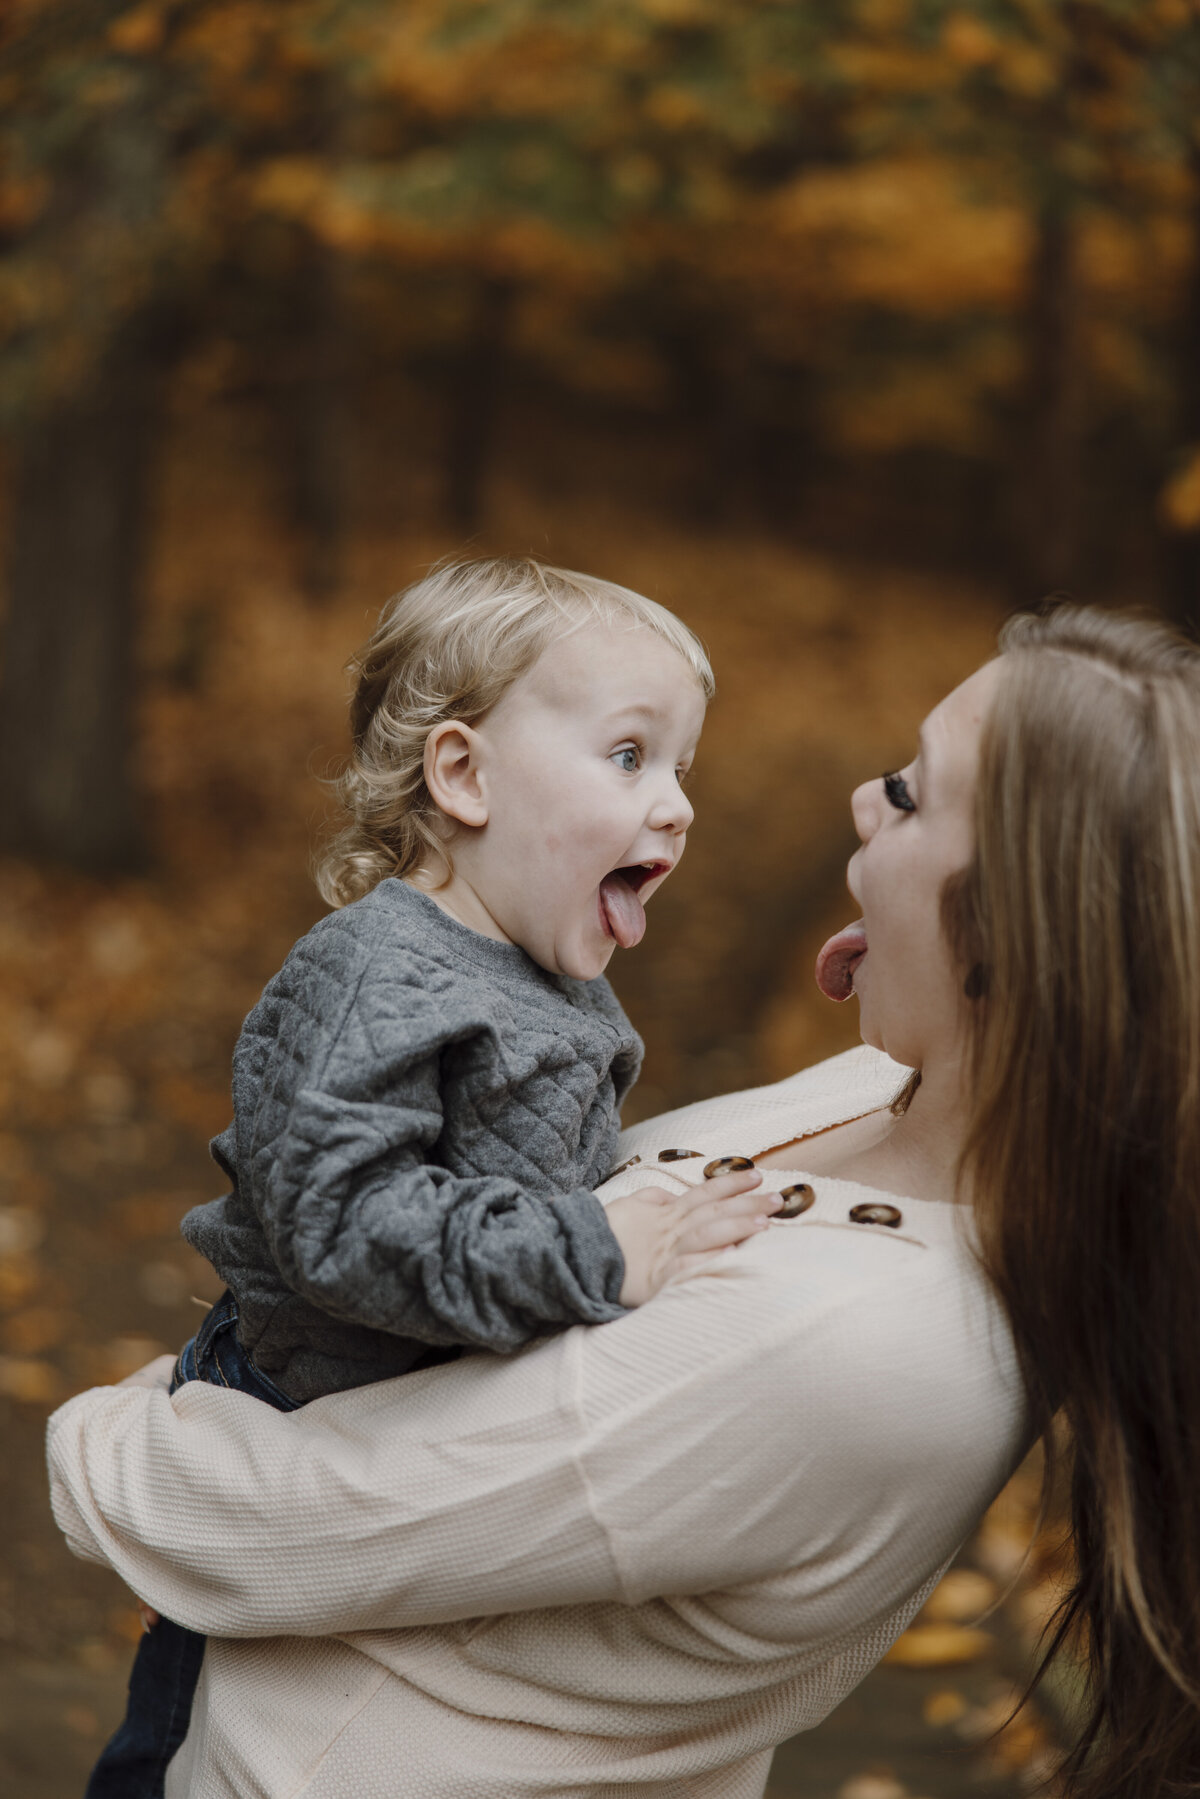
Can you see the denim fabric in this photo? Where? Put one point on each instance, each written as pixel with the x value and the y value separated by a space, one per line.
pixel 133 1764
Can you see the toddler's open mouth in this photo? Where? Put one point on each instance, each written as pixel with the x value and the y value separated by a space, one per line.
pixel 622 913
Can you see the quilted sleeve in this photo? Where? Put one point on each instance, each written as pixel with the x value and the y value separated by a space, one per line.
pixel 362 1222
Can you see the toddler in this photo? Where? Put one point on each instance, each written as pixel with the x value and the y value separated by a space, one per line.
pixel 427 1092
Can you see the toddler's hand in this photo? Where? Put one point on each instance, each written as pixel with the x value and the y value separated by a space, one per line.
pixel 663 1234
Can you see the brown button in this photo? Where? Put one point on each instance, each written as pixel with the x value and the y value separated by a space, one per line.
pixel 875 1214
pixel 621 1167
pixel 677 1155
pixel 726 1165
pixel 795 1199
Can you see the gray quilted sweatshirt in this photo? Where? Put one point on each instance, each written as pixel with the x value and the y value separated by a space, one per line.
pixel 420 1115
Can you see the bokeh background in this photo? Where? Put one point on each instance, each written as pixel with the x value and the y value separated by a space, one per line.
pixel 841 326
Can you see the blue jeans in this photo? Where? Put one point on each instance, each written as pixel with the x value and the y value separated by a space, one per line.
pixel 133 1764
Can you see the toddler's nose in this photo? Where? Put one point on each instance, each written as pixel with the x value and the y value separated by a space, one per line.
pixel 674 812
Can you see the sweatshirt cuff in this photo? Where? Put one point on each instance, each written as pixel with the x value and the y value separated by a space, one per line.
pixel 593 1254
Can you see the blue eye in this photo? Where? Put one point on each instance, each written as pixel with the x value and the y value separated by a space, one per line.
pixel 896 792
pixel 627 760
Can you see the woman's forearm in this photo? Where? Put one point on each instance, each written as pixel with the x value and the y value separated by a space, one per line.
pixel 238 1520
pixel 736 1427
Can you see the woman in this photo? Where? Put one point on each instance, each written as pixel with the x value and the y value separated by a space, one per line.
pixel 633 1559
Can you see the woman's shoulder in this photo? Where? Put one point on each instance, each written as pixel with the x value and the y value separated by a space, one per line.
pixel 758 1118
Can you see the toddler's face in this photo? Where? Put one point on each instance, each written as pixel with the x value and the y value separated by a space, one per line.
pixel 580 765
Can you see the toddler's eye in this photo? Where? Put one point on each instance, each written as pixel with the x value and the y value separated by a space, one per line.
pixel 628 760
pixel 896 792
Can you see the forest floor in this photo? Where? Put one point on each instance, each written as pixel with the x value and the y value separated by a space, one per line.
pixel 120 1002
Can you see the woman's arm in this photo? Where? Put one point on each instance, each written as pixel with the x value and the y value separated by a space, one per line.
pixel 773 1409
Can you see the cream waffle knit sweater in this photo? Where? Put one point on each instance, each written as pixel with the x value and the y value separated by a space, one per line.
pixel 622 1564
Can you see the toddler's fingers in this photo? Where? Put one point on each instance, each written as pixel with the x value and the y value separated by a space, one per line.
pixel 720 1230
pixel 724 1222
pixel 722 1187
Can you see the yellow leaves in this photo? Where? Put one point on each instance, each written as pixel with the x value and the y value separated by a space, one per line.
pixel 123 1356
pixel 33 1330
pixel 968 42
pixel 201 1109
pixel 151 1214
pixel 1028 70
pixel 883 15
pixel 1179 502
pixel 295 187
pixel 21 1233
pixel 229 38
pixel 21 1230
pixel 635 176
pixel 138 32
pixel 1012 1743
pixel 20 1278
pixel 895 68
pixel 22 199
pixel 876 1783
pixel 962 1595
pixel 675 108
pixel 939 1646
pixel 943 1707
pixel 903 233
pixel 30 1382
pixel 680 12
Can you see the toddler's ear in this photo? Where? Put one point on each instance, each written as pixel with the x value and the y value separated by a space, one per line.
pixel 452 759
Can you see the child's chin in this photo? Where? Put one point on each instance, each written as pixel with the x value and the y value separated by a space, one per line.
pixel 585 965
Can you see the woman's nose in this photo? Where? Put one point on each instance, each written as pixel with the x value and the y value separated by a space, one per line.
pixel 864 809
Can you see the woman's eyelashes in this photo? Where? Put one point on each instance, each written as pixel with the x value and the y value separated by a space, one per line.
pixel 895 789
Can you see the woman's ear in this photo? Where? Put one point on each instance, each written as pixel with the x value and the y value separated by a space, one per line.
pixel 453 754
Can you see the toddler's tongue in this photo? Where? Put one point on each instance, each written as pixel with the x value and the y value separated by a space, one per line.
pixel 624 912
pixel 839 958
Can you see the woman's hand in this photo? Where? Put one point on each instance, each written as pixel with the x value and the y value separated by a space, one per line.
pixel 664 1235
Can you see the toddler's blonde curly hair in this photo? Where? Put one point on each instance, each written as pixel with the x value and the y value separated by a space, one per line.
pixel 447 648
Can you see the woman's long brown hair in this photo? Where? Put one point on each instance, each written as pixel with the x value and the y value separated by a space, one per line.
pixel 1079 924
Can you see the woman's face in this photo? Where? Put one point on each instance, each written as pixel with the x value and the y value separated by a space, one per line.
pixel 917 828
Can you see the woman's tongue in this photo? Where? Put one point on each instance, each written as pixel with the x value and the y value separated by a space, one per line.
pixel 623 911
pixel 839 958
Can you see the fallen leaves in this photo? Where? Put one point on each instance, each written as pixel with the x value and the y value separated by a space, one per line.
pixel 30 1381
pixel 939 1646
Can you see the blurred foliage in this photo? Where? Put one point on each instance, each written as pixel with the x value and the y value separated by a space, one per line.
pixel 845 187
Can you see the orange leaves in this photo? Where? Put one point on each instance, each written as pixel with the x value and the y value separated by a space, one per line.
pixel 200 1109
pixel 968 42
pixel 946 1632
pixel 1179 502
pixel 906 234
pixel 939 1646
pixel 139 31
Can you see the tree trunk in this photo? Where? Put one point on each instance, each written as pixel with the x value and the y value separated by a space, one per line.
pixel 1182 548
pixel 1050 482
pixel 315 414
pixel 79 532
pixel 710 378
pixel 474 403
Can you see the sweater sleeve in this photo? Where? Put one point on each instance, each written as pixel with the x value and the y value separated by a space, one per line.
pixel 363 1222
pixel 702 1443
